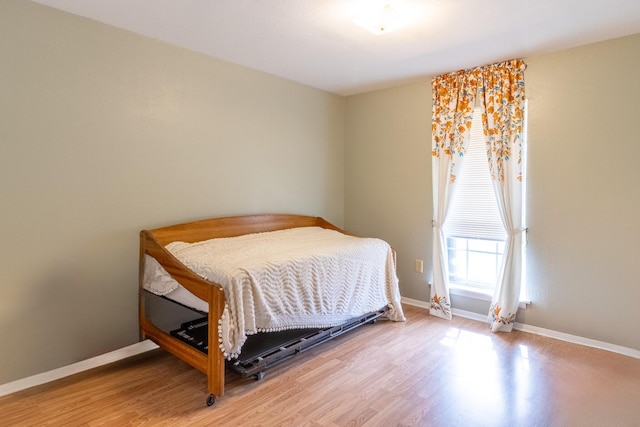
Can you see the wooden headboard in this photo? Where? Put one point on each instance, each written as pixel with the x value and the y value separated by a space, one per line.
pixel 197 231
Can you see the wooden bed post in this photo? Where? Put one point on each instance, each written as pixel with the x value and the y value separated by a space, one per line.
pixel 216 363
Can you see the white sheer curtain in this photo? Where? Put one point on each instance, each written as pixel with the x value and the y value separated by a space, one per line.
pixel 500 88
pixel 503 103
pixel 453 102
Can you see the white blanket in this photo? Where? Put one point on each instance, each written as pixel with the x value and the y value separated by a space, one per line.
pixel 296 278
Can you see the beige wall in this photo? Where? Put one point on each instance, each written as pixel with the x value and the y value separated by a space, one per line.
pixel 103 133
pixel 388 176
pixel 583 199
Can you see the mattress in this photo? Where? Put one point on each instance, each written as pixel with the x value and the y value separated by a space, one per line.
pixel 159 282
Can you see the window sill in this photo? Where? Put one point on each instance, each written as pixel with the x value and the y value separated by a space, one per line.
pixel 479 294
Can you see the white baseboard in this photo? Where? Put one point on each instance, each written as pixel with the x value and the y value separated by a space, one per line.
pixel 538 331
pixel 75 368
pixel 147 345
pixel 415 303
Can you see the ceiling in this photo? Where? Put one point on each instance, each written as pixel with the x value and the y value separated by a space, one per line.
pixel 317 43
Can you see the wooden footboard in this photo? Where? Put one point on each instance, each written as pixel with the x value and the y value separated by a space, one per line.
pixel 152 242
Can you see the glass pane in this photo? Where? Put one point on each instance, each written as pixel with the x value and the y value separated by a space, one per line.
pixel 474 262
pixel 482 268
pixel 457 265
pixel 456 243
pixel 482 245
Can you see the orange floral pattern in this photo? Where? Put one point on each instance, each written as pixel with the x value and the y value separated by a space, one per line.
pixel 501 88
pixel 452 113
pixel 503 102
pixel 497 317
pixel 441 303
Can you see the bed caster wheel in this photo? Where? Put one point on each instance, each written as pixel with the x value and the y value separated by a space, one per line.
pixel 258 376
pixel 211 400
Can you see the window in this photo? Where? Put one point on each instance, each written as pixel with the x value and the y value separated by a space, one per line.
pixel 474 230
pixel 474 262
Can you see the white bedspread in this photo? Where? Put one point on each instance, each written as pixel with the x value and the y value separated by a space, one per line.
pixel 296 278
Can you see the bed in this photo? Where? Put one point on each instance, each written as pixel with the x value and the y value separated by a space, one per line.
pixel 258 276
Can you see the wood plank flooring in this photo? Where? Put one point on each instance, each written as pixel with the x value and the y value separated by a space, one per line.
pixel 425 372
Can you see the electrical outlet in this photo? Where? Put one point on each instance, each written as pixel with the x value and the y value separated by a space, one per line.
pixel 419 266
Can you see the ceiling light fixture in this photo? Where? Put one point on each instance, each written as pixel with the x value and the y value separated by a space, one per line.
pixel 377 17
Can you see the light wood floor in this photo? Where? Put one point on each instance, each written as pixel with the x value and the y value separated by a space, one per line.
pixel 424 372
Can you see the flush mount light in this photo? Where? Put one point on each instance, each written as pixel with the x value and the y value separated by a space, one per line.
pixel 379 17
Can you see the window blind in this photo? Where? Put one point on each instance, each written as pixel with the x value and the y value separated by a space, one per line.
pixel 474 212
